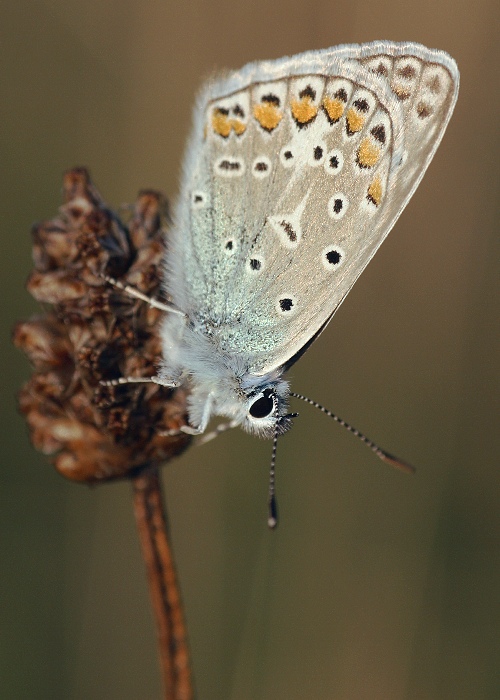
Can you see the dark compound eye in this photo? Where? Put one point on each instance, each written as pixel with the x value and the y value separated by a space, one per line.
pixel 264 405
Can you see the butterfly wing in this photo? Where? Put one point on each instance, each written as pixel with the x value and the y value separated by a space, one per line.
pixel 296 172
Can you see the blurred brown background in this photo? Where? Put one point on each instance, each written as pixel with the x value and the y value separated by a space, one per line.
pixel 376 585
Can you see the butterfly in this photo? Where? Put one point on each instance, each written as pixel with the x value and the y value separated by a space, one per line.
pixel 295 172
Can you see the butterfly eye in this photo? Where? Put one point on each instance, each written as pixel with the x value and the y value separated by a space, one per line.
pixel 263 406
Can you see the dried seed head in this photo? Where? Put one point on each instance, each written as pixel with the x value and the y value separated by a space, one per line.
pixel 94 332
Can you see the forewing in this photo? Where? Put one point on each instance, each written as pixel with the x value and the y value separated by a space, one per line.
pixel 296 172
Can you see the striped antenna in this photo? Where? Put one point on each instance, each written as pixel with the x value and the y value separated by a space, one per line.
pixel 381 454
pixel 272 517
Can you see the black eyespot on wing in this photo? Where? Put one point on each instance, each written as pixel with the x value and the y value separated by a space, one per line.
pixel 407 72
pixel 361 105
pixel 263 406
pixel 308 92
pixel 334 162
pixel 271 99
pixel 341 94
pixel 229 245
pixel 229 165
pixel 381 70
pixel 288 155
pixel 238 111
pixel 378 132
pixel 337 206
pixel 286 304
pixel 318 153
pixel 333 257
pixel 289 230
pixel 255 264
pixel 261 167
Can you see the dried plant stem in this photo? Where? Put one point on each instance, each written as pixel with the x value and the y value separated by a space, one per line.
pixel 164 589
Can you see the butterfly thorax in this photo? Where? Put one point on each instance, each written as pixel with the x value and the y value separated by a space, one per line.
pixel 221 382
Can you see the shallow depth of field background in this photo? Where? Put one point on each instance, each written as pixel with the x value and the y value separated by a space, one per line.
pixel 376 585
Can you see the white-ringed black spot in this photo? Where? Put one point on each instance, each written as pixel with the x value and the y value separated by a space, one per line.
pixel 238 111
pixel 286 304
pixel 423 110
pixel 287 157
pixel 255 264
pixel 317 154
pixel 381 69
pixel 307 92
pixel 332 257
pixel 230 247
pixel 334 162
pixel 229 167
pixel 361 105
pixel 341 95
pixel 261 167
pixel 337 206
pixel 271 99
pixel 289 230
pixel 378 132
pixel 408 72
pixel 198 200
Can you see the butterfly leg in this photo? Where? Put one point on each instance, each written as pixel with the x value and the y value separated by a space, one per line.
pixel 221 428
pixel 140 380
pixel 136 294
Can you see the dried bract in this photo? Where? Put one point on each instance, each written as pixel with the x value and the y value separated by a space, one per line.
pixel 93 332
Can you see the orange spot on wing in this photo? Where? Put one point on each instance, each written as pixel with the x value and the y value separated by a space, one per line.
pixel 223 125
pixel 402 93
pixel 268 115
pixel 238 126
pixel 374 193
pixel 304 110
pixel 333 108
pixel 355 121
pixel 220 123
pixel 368 154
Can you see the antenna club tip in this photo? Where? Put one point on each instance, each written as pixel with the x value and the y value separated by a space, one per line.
pixel 398 464
pixel 272 518
pixel 272 522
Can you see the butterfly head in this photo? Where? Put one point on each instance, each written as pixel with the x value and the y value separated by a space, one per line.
pixel 266 409
pixel 259 405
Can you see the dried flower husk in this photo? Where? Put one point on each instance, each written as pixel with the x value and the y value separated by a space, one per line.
pixel 93 332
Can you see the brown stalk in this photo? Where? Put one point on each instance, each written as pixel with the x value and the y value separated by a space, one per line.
pixel 163 585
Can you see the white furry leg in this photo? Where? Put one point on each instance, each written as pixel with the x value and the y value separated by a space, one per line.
pixel 136 294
